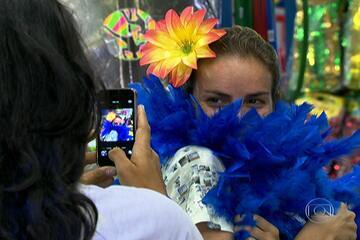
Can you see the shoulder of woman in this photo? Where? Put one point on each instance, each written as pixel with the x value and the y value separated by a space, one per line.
pixel 133 210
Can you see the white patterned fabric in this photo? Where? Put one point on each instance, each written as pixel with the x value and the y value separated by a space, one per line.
pixel 188 176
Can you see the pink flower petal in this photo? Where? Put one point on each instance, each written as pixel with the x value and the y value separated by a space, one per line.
pixel 153 55
pixel 196 20
pixel 161 25
pixel 173 24
pixel 160 39
pixel 219 32
pixel 204 52
pixel 180 75
pixel 190 60
pixel 186 14
pixel 167 66
pixel 206 39
pixel 207 25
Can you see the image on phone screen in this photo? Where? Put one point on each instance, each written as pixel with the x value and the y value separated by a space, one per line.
pixel 117 125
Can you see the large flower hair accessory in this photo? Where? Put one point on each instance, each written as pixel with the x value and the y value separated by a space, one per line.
pixel 176 43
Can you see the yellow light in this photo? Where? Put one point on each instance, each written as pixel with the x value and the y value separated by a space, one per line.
pixel 311 56
pixel 355 59
pixel 327 25
pixel 356 20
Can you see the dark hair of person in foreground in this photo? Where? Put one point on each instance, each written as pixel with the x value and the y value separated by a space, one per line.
pixel 47 110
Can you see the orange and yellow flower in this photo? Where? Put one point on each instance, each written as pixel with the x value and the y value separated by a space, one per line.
pixel 176 43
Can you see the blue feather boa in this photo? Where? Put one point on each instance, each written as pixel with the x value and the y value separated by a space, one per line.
pixel 274 165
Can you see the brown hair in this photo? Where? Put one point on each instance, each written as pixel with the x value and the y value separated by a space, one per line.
pixel 244 42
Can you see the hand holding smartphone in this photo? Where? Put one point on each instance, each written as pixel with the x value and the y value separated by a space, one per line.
pixel 143 169
pixel 118 123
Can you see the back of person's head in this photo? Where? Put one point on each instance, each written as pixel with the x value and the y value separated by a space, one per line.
pixel 47 110
pixel 243 42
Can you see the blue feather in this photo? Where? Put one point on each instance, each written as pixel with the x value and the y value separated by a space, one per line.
pixel 274 165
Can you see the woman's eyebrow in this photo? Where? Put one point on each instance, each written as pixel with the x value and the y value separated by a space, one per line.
pixel 220 94
pixel 257 94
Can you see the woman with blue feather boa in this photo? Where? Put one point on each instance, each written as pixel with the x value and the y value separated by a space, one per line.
pixel 241 165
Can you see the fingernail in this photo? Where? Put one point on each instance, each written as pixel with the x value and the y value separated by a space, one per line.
pixel 110 171
pixel 142 107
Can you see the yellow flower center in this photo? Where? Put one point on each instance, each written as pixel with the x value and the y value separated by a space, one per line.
pixel 187 47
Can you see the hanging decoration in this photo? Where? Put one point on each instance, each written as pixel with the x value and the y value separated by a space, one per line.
pixel 124 32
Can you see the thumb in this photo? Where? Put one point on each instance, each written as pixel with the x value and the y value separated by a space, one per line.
pixel 342 209
pixel 143 131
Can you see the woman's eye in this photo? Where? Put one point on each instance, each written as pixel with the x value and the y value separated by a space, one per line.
pixel 213 100
pixel 254 101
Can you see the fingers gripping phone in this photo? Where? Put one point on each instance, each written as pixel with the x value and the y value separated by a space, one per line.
pixel 118 123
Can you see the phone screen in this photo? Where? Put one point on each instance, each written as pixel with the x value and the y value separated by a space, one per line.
pixel 117 127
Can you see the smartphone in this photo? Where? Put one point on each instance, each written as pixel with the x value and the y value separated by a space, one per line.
pixel 117 110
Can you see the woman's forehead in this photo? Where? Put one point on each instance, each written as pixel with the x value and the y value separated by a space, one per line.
pixel 234 75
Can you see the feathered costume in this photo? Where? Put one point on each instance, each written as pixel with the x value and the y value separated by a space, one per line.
pixel 274 164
